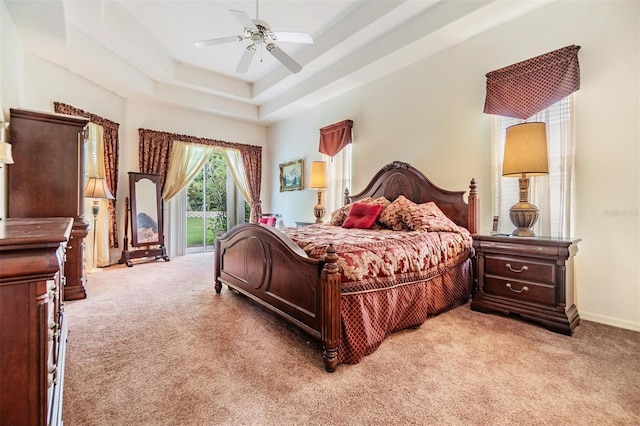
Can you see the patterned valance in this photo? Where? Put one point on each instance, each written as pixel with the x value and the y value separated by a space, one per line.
pixel 526 88
pixel 335 137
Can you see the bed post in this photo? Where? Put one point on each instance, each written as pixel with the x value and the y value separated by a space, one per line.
pixel 474 207
pixel 330 281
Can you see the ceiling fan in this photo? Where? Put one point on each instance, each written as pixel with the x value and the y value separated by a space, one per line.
pixel 259 32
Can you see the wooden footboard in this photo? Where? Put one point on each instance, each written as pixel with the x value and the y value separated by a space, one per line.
pixel 266 266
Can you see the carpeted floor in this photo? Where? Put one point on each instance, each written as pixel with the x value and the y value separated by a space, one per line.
pixel 154 345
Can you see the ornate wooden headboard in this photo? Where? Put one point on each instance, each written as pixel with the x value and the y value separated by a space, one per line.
pixel 398 178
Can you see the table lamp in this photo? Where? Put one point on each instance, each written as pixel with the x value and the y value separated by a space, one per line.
pixel 5 147
pixel 97 189
pixel 525 155
pixel 318 180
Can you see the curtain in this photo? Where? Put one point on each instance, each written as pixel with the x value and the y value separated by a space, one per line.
pixel 155 152
pixel 111 161
pixel 186 162
pixel 335 137
pixel 553 194
pixel 154 149
pixel 98 239
pixel 338 178
pixel 252 162
pixel 236 166
pixel 526 88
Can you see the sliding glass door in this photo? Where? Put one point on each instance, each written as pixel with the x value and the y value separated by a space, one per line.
pixel 207 205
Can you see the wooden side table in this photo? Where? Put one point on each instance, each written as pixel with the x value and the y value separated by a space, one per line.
pixel 531 277
pixel 298 223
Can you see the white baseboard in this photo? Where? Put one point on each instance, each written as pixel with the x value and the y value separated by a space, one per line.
pixel 615 322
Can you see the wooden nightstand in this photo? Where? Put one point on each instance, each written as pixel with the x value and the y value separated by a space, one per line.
pixel 532 277
pixel 299 224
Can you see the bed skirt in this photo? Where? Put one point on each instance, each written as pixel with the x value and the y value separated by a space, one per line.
pixel 368 317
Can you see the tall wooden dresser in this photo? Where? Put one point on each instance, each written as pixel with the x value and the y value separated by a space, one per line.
pixel 33 332
pixel 47 180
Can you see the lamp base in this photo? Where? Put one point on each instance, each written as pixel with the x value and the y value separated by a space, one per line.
pixel 318 209
pixel 318 212
pixel 523 215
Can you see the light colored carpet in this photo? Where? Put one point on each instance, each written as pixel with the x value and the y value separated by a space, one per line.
pixel 154 345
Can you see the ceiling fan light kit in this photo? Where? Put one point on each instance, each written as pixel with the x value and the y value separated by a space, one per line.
pixel 258 31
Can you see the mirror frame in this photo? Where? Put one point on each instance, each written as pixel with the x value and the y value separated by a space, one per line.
pixel 154 249
pixel 134 180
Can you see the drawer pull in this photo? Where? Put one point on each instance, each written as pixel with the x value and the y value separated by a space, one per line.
pixel 525 288
pixel 524 268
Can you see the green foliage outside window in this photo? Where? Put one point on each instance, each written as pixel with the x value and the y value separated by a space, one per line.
pixel 216 191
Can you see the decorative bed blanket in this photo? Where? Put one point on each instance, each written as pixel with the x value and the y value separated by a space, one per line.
pixel 376 259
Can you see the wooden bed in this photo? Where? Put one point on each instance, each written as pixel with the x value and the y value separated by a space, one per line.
pixel 265 265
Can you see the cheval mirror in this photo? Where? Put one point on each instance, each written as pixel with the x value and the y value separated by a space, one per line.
pixel 144 219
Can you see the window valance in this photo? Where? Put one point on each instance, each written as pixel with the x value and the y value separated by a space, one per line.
pixel 526 88
pixel 335 137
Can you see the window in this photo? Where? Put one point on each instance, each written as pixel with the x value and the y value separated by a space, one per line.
pixel 338 179
pixel 552 194
pixel 98 242
pixel 94 152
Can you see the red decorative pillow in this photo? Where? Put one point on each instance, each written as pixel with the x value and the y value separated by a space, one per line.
pixel 338 216
pixel 362 216
pixel 269 221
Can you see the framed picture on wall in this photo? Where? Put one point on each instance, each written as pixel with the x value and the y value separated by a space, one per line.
pixel 292 176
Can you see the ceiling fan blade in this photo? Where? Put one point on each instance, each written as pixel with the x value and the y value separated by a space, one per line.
pixel 245 61
pixel 244 19
pixel 285 59
pixel 214 41
pixel 293 37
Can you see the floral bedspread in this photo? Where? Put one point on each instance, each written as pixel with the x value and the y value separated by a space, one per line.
pixel 375 259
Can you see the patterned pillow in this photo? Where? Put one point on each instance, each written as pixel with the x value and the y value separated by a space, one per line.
pixel 382 201
pixel 391 216
pixel 427 217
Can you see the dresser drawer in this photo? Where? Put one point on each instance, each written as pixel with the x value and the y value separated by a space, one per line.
pixel 518 290
pixel 520 268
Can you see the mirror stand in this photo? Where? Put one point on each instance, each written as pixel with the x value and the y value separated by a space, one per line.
pixel 144 218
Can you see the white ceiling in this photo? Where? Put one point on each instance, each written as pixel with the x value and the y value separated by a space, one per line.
pixel 140 49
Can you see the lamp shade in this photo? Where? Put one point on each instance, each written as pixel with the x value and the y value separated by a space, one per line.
pixel 97 188
pixel 318 175
pixel 5 147
pixel 525 150
pixel 5 153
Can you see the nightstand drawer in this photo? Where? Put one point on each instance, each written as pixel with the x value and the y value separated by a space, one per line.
pixel 520 268
pixel 514 247
pixel 518 290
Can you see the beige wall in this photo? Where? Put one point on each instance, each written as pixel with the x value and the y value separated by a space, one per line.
pixel 10 69
pixel 430 115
